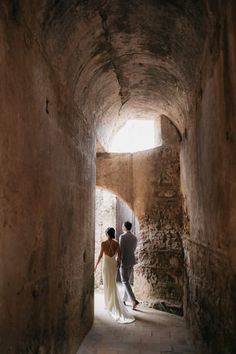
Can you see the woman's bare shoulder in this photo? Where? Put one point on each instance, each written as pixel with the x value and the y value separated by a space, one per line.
pixel 114 241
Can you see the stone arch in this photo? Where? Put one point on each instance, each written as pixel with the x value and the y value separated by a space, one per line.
pixel 118 196
pixel 116 192
pixel 114 172
pixel 151 180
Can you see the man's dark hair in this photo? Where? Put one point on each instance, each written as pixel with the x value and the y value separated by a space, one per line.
pixel 128 225
pixel 110 231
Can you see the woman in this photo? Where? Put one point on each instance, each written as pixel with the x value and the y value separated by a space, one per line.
pixel 109 251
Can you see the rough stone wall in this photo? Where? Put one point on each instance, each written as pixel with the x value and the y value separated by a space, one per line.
pixel 47 202
pixel 208 165
pixel 105 216
pixel 154 185
pixel 169 133
pixel 158 204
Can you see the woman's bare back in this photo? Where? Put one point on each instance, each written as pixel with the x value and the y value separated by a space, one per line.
pixel 110 247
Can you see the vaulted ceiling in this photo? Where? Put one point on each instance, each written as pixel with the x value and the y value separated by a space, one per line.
pixel 126 59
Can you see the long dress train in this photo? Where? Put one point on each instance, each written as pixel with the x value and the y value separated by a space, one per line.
pixel 113 302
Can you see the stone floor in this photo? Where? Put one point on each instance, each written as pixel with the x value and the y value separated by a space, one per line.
pixel 152 332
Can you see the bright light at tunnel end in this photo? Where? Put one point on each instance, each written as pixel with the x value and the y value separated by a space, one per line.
pixel 136 135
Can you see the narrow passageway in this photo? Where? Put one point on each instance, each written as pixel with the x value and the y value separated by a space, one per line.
pixel 154 332
pixel 74 75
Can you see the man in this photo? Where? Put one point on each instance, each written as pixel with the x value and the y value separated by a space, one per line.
pixel 128 243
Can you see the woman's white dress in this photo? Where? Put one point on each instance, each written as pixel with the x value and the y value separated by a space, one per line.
pixel 113 302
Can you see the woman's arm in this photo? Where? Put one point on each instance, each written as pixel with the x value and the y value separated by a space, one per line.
pixel 99 257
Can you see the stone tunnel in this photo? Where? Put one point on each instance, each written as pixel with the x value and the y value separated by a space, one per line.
pixel 72 73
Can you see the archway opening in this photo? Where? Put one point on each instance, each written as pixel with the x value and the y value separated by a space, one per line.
pixel 111 211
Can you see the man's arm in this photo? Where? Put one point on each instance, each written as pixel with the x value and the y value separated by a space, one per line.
pixel 118 256
pixel 121 243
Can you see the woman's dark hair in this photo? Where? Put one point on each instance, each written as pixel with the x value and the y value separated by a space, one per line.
pixel 110 231
pixel 128 225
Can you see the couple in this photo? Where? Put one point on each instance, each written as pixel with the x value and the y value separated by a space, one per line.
pixel 124 253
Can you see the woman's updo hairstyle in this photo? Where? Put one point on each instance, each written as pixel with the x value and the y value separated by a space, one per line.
pixel 110 231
